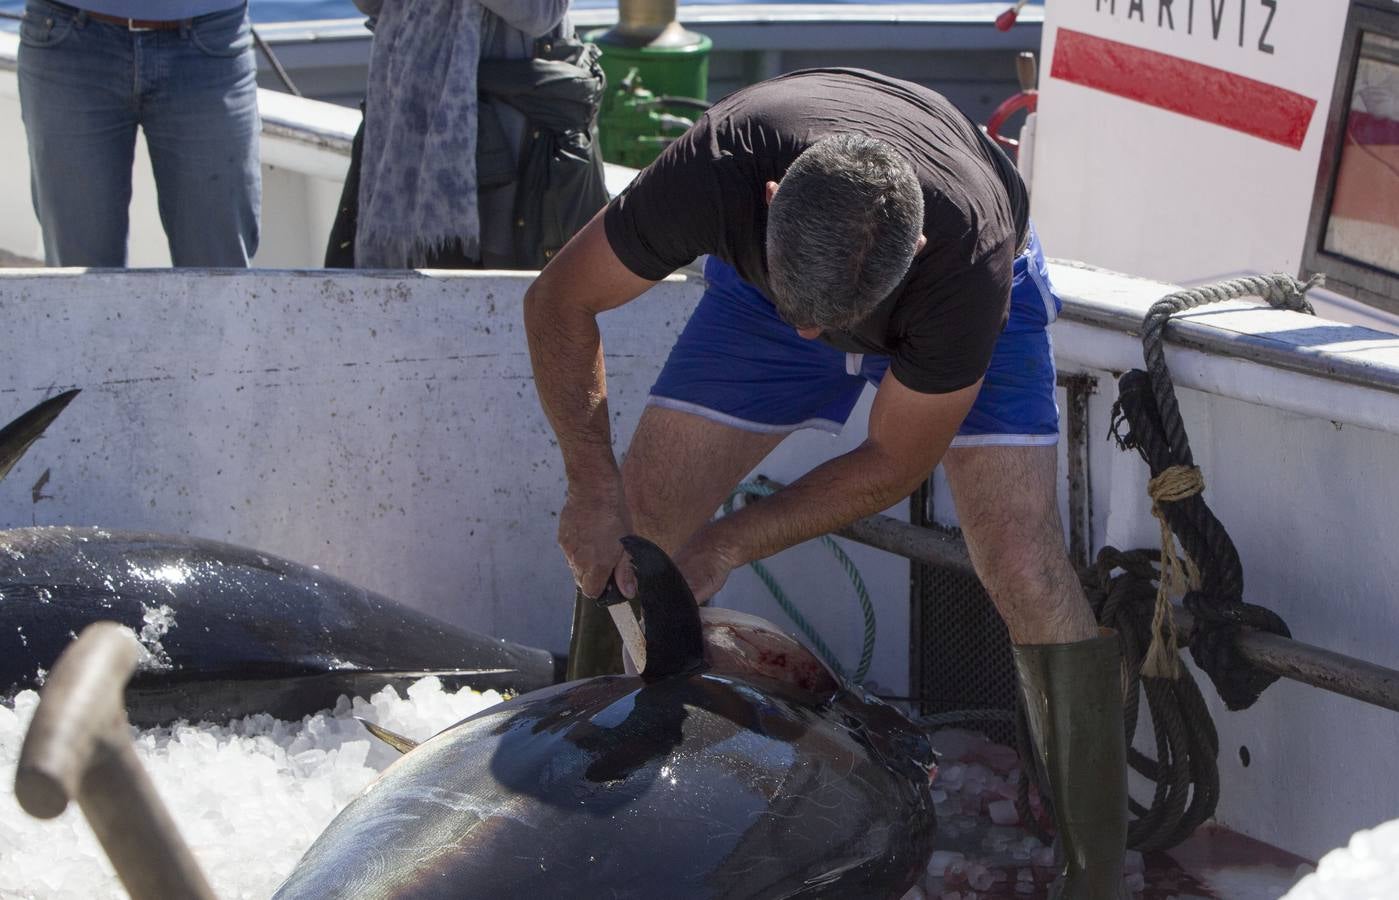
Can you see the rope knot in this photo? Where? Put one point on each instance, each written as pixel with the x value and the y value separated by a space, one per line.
pixel 1178 571
pixel 1286 292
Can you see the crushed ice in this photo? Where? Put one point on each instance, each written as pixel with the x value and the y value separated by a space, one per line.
pixel 257 789
pixel 1365 869
pixel 158 622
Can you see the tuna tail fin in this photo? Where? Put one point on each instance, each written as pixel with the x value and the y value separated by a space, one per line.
pixel 16 437
pixel 397 741
pixel 670 616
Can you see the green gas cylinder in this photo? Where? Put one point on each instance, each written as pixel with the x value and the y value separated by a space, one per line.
pixel 648 58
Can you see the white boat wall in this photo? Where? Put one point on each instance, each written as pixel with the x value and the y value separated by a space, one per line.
pixel 385 428
pixel 382 426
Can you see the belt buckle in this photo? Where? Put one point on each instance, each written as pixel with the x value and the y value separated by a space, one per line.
pixel 131 26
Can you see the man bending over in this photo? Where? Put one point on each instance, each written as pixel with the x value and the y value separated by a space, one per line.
pixel 858 229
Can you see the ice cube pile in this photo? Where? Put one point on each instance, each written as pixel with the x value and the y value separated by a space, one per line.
pixel 249 796
pixel 1365 869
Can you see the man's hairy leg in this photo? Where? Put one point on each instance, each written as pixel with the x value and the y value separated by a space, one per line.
pixel 679 469
pixel 676 473
pixel 1009 513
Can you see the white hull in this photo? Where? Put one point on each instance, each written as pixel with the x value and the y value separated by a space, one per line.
pixel 385 428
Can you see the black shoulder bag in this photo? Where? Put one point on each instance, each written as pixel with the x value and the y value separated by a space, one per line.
pixel 559 172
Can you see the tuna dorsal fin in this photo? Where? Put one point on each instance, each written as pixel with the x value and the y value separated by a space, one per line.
pixel 16 437
pixel 670 617
pixel 396 741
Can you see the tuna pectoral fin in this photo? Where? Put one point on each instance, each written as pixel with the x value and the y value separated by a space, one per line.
pixel 670 616
pixel 16 437
pixel 396 741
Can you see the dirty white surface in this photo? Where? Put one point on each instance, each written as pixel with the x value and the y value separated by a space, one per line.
pixel 383 427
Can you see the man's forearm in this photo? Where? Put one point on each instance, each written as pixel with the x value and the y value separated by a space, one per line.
pixel 565 349
pixel 857 484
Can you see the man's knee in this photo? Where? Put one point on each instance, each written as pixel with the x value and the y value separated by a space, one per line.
pixel 1009 511
pixel 1014 528
pixel 1020 558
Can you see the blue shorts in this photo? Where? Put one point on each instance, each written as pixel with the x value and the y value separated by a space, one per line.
pixel 737 363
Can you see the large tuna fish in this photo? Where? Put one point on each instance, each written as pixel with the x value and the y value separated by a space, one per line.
pixel 683 782
pixel 230 631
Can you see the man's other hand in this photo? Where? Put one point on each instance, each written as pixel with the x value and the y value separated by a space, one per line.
pixel 705 567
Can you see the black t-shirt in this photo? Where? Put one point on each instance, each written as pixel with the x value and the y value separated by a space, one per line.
pixel 705 195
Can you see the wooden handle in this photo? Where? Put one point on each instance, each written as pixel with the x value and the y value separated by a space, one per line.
pixel 79 748
pixel 80 703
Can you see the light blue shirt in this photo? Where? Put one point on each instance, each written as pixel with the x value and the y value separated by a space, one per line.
pixel 155 10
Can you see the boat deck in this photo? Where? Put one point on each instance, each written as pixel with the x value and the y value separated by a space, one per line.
pixel 980 859
pixel 1214 863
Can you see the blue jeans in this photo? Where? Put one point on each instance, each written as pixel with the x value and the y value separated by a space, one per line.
pixel 85 86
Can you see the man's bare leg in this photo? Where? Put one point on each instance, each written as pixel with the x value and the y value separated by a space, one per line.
pixel 1070 676
pixel 678 470
pixel 1009 511
pixel 681 467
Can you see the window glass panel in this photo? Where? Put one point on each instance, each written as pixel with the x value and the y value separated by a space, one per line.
pixel 1363 222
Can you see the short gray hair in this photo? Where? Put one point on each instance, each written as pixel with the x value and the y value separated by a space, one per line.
pixel 841 231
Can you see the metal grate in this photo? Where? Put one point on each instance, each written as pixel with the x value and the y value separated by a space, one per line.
pixel 959 653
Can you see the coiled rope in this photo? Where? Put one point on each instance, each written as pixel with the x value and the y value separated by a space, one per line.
pixel 1209 573
pixel 1123 592
pixel 1130 595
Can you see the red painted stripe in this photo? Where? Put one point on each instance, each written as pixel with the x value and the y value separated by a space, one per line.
pixel 1181 86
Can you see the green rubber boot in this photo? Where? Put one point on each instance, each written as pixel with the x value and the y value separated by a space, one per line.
pixel 594 648
pixel 1073 703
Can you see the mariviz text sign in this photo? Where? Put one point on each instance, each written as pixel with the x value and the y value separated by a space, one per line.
pixel 1147 60
pixel 1248 21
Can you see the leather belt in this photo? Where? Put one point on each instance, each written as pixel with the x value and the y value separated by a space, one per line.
pixel 137 24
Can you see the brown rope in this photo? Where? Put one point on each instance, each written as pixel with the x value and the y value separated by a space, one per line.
pixel 1178 571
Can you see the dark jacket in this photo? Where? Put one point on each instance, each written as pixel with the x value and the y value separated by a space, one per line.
pixel 559 174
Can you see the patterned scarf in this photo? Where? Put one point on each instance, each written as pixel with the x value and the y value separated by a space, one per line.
pixel 417 189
